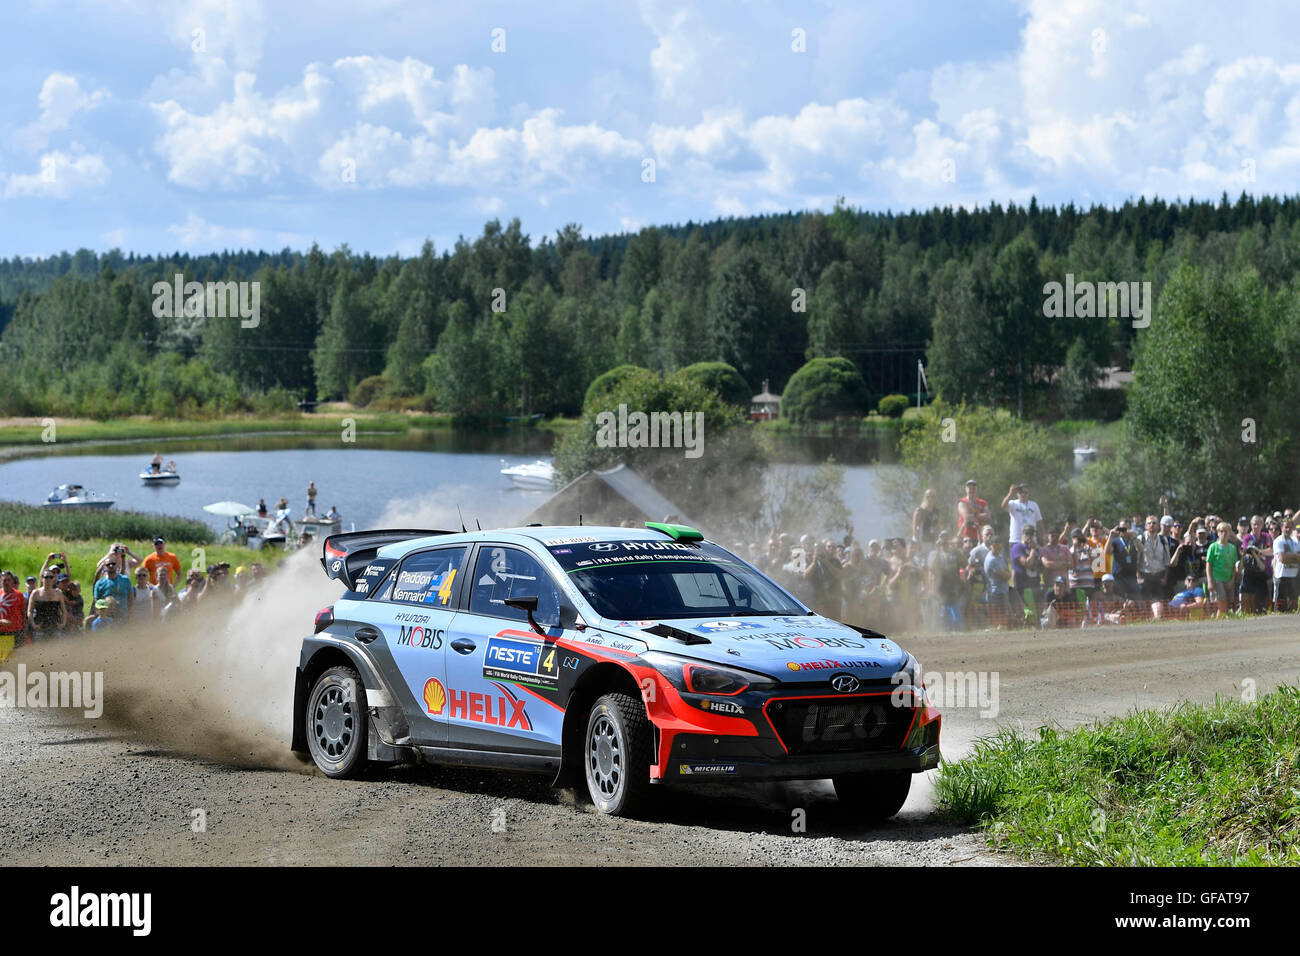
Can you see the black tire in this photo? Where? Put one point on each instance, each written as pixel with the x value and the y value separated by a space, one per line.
pixel 616 752
pixel 875 796
pixel 336 723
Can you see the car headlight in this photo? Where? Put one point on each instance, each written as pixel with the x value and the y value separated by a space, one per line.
pixel 700 677
pixel 911 675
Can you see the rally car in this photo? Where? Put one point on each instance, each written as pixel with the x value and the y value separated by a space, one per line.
pixel 625 657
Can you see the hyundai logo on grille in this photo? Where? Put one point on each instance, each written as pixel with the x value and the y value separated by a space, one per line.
pixel 844 683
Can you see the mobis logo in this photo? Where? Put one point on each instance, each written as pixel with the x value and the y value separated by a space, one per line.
pixel 420 637
pixel 213 300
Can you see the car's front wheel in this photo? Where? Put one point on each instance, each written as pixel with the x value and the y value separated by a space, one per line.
pixel 336 723
pixel 616 755
pixel 875 796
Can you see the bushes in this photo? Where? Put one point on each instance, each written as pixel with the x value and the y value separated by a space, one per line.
pixel 609 382
pixel 368 389
pixel 721 378
pixel 824 388
pixel 893 406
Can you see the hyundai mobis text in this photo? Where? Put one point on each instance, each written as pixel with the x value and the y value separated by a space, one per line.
pixel 621 657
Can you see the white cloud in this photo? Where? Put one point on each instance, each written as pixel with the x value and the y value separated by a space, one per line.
pixel 233 30
pixel 61 98
pixel 59 176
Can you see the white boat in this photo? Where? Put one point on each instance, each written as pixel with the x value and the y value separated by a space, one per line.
pixel 256 532
pixel 159 477
pixel 76 496
pixel 540 475
pixel 1085 451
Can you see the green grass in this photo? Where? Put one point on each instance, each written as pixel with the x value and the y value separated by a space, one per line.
pixel 146 429
pixel 25 554
pixel 69 524
pixel 1193 785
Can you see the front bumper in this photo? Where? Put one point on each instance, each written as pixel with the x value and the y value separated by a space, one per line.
pixel 697 758
pixel 785 736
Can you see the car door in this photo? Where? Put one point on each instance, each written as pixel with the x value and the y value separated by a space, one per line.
pixel 413 611
pixel 503 676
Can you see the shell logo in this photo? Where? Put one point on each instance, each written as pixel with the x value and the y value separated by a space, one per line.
pixel 793 666
pixel 435 698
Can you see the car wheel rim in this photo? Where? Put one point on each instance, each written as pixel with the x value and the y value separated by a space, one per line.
pixel 605 758
pixel 333 723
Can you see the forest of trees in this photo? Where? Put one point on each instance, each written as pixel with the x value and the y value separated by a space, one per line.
pixel 962 289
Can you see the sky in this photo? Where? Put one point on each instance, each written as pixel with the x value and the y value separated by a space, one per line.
pixel 200 125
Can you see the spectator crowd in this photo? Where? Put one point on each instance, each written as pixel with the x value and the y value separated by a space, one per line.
pixel 1004 566
pixel 123 587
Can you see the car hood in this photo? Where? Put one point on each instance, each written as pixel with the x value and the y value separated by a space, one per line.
pixel 794 649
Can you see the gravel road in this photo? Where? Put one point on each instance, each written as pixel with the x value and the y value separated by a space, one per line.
pixel 124 790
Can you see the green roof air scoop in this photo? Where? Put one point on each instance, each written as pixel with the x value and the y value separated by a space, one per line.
pixel 678 532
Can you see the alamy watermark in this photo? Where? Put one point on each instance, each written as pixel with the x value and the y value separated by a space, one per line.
pixel 950 690
pixel 1098 300
pixel 213 300
pixel 653 430
pixel 82 690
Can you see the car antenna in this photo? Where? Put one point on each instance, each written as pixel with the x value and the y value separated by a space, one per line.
pixel 477 524
pixel 462 519
pixel 579 519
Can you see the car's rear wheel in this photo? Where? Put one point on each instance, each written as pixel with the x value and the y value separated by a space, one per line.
pixel 875 796
pixel 336 723
pixel 616 755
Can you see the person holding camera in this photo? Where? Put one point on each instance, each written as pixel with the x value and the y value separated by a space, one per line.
pixel 120 555
pixel 1121 548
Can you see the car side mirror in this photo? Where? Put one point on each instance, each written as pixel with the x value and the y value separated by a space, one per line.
pixel 528 604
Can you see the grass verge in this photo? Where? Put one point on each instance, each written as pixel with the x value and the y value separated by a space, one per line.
pixel 1214 785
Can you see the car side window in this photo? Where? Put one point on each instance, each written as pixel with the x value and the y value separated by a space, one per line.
pixel 428 577
pixel 502 572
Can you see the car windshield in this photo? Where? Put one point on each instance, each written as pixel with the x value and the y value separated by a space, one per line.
pixel 652 580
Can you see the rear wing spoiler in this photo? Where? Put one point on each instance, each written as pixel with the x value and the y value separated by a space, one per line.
pixel 345 557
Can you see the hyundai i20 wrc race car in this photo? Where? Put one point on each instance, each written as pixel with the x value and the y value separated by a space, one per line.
pixel 625 657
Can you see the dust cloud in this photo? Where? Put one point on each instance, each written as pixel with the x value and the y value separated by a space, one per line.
pixel 215 682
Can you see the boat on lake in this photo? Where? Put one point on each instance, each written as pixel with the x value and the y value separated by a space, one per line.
pixel 538 476
pixel 76 496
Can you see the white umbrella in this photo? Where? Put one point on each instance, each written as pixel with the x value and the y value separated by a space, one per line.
pixel 229 509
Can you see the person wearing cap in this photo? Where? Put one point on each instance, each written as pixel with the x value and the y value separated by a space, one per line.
pixel 1121 559
pixel 105 613
pixel 1026 570
pixel 1061 605
pixel 1023 513
pixel 1153 560
pixel 1109 605
pixel 972 511
pixel 115 586
pixel 161 558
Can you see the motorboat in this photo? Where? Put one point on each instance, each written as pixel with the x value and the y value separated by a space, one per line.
pixel 166 476
pixel 76 496
pixel 257 532
pixel 538 476
pixel 1085 451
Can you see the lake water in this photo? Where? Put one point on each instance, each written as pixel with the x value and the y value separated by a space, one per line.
pixel 408 480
